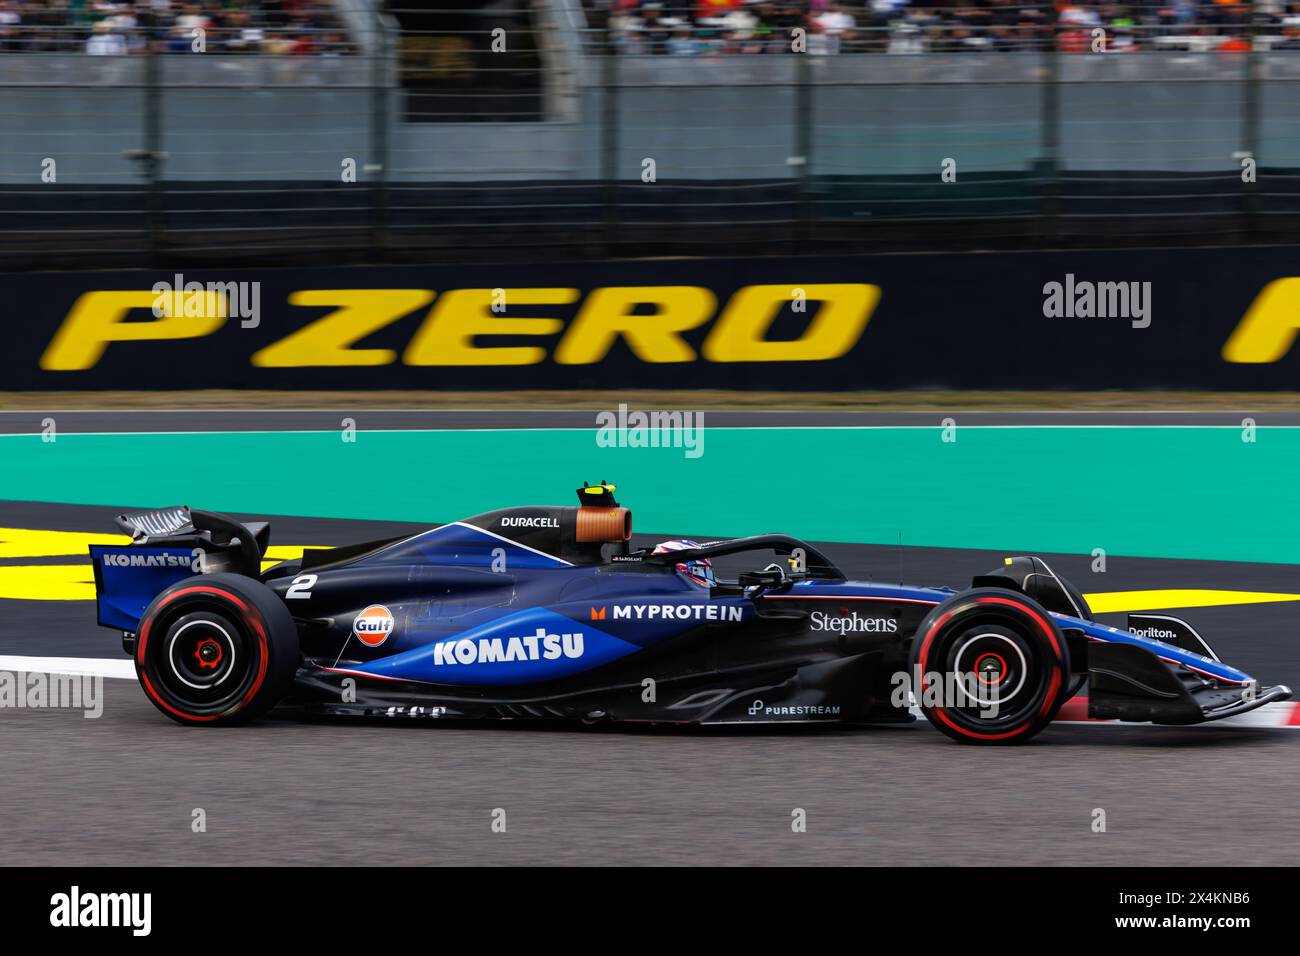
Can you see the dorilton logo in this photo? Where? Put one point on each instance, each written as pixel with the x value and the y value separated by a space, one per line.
pixel 540 522
pixel 74 909
pixel 1157 633
pixel 498 650
pixel 676 612
pixel 853 624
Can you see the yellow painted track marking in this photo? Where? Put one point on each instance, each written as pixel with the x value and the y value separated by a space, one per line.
pixel 48 582
pixel 71 582
pixel 1109 601
pixel 31 543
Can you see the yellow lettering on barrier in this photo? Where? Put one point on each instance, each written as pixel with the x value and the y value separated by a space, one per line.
pixel 447 335
pixel 1268 329
pixel 328 341
pixel 607 315
pixel 740 333
pixel 98 318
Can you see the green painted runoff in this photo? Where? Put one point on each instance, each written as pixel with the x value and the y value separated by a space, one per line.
pixel 1145 491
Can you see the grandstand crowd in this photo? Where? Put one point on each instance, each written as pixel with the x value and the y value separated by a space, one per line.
pixel 117 27
pixel 680 27
pixel 709 27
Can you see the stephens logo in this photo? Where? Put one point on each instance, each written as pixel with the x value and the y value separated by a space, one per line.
pixel 373 625
pixel 497 650
pixel 853 624
pixel 541 522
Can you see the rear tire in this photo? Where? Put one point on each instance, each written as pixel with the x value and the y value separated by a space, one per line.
pixel 991 646
pixel 216 649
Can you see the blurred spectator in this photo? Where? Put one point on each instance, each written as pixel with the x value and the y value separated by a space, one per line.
pixel 902 27
pixel 104 41
pixel 115 27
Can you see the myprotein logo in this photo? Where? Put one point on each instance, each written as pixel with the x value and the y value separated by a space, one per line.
pixel 539 646
pixel 75 909
pixel 674 612
pixel 530 522
pixel 854 623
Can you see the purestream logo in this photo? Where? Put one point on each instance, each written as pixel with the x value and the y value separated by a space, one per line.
pixel 37 691
pixel 496 650
pixel 759 709
pixel 76 909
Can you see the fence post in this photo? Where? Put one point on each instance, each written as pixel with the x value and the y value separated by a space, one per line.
pixel 152 153
pixel 379 129
pixel 609 135
pixel 1250 125
pixel 1050 135
pixel 803 110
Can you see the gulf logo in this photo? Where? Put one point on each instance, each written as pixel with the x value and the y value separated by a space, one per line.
pixel 373 625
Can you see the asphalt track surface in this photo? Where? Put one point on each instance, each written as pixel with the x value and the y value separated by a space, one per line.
pixel 29 421
pixel 122 789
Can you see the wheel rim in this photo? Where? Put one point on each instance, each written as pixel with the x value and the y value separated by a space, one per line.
pixel 201 659
pixel 994 662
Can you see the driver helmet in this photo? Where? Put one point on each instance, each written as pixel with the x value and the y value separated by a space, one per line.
pixel 698 572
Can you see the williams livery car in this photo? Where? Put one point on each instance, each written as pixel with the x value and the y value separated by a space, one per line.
pixel 548 613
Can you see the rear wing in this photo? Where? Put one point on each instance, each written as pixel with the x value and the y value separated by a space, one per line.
pixel 169 545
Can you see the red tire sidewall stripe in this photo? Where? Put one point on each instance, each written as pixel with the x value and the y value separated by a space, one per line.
pixel 246 614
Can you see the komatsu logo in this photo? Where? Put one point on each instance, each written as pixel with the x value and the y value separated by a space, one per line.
pixel 530 522
pixel 147 560
pixel 498 650
pixel 678 612
pixel 853 624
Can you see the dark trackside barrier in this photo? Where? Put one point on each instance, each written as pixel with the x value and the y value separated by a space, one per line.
pixel 1171 319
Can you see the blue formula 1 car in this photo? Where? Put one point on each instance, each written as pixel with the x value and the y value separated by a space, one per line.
pixel 548 613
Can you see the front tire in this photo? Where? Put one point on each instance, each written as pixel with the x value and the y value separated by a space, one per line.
pixel 216 649
pixel 1002 665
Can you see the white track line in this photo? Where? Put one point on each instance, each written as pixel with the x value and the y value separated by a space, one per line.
pixel 87 666
pixel 1283 714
